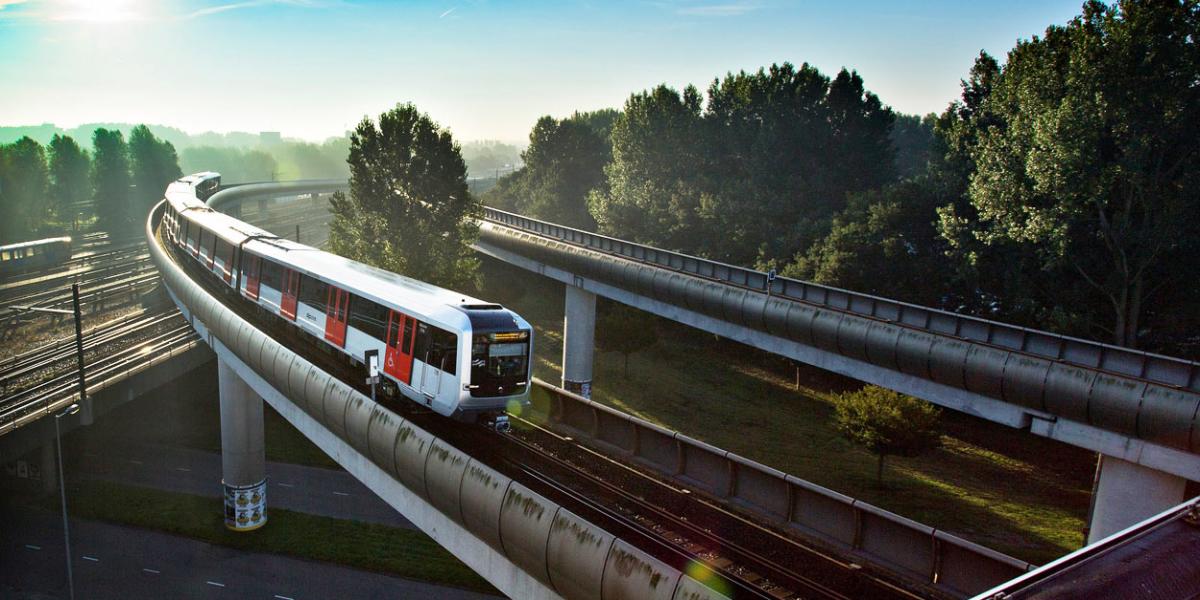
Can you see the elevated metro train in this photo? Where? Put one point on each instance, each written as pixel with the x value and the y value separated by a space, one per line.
pixel 461 357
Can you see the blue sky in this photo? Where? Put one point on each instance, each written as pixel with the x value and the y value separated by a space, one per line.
pixel 485 69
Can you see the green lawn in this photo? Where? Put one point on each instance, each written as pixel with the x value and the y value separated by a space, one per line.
pixel 391 550
pixel 1003 488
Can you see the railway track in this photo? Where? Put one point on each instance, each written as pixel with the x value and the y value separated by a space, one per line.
pixel 60 355
pixel 109 352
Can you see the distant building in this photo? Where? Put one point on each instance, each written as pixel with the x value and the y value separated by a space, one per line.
pixel 270 137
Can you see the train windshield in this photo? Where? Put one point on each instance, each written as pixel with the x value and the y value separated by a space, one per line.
pixel 500 364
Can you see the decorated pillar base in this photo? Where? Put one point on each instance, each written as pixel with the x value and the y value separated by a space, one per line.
pixel 245 506
pixel 583 388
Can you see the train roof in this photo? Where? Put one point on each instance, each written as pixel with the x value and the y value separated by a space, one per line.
pixel 198 177
pixel 435 304
pixel 384 287
pixel 30 244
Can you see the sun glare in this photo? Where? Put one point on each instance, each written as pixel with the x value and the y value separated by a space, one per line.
pixel 99 11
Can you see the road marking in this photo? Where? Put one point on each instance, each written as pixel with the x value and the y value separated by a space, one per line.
pixel 341 494
pixel 282 597
pixel 32 547
pixel 215 583
pixel 184 469
pixel 156 572
pixel 286 485
pixel 135 462
pixel 91 558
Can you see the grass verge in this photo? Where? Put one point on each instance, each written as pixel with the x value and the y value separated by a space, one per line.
pixel 403 552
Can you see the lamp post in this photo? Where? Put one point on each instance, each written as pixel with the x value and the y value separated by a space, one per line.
pixel 70 410
pixel 62 493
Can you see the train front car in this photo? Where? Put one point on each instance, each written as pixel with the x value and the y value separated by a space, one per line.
pixel 501 344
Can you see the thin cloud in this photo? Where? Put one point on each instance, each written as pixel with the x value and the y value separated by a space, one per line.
pixel 718 10
pixel 447 13
pixel 7 3
pixel 213 10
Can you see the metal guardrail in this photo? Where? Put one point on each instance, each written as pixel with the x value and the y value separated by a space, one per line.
pixel 1157 368
pixel 927 555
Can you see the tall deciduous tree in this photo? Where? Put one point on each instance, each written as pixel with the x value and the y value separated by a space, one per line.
pixel 111 182
pixel 24 186
pixel 409 210
pixel 653 194
pixel 69 170
pixel 564 162
pixel 886 243
pixel 153 165
pixel 1092 159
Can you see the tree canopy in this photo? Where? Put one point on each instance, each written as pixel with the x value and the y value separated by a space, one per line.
pixel 1086 157
pixel 408 210
pixel 153 165
pixel 69 170
pixel 111 181
pixel 563 164
pixel 887 423
pixel 24 190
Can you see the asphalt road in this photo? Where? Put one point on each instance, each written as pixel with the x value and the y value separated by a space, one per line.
pixel 111 561
pixel 312 490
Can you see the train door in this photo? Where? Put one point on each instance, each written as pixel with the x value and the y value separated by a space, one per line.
pixel 291 286
pixel 251 271
pixel 399 359
pixel 337 305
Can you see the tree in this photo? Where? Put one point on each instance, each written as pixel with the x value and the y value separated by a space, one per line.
pixel 887 423
pixel 564 162
pixel 111 182
pixel 1091 159
pixel 69 169
pixel 24 185
pixel 409 210
pixel 912 137
pixel 886 243
pixel 153 165
pixel 626 330
pixel 652 193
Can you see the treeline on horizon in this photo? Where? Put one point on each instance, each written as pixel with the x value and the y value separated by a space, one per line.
pixel 62 186
pixel 1058 192
pixel 242 157
pixel 72 180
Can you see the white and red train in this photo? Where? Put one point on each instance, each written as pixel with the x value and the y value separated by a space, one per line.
pixel 459 356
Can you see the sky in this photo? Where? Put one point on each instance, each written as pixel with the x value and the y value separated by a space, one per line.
pixel 312 69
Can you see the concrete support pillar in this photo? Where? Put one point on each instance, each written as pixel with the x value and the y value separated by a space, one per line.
pixel 579 340
pixel 243 452
pixel 1128 493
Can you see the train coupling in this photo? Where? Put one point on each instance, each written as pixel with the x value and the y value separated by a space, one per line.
pixel 501 423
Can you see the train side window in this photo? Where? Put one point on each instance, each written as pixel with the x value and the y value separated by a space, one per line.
pixel 313 292
pixel 421 342
pixel 368 317
pixel 394 321
pixel 407 346
pixel 272 275
pixel 443 350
